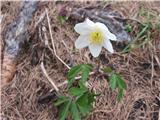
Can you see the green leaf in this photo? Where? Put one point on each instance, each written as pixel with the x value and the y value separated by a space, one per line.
pixel 128 28
pixel 85 74
pixel 70 81
pixel 86 68
pixel 76 91
pixel 108 70
pixel 120 94
pixel 82 85
pixel 116 81
pixel 84 109
pixel 75 112
pixel 74 71
pixel 91 98
pixel 121 82
pixel 84 103
pixel 89 66
pixel 61 100
pixel 113 81
pixel 62 19
pixel 83 99
pixel 72 74
pixel 64 109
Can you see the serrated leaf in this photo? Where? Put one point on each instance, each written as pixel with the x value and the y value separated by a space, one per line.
pixel 113 81
pixel 84 69
pixel 64 109
pixel 89 66
pixel 74 71
pixel 61 100
pixel 120 94
pixel 83 100
pixel 76 91
pixel 121 83
pixel 75 112
pixel 108 70
pixel 83 104
pixel 70 81
pixel 91 98
pixel 84 109
pixel 82 85
pixel 85 74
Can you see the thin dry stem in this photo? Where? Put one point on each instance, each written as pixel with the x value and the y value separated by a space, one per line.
pixel 76 78
pixel 53 45
pixel 41 18
pixel 47 76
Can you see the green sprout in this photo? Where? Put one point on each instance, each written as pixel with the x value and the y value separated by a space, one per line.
pixel 116 82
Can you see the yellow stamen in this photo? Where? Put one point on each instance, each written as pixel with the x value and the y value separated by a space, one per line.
pixel 96 37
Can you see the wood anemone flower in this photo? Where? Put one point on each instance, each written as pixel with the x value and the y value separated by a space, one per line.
pixel 95 36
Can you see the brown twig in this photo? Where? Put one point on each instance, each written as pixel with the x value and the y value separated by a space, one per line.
pixel 49 79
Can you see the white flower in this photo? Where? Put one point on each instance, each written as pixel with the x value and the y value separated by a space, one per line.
pixel 95 35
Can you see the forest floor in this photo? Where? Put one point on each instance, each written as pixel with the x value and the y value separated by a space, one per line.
pixel 140 67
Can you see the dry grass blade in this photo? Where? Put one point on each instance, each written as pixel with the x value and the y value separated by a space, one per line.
pixel 49 79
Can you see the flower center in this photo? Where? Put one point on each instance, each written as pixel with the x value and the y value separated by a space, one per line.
pixel 96 37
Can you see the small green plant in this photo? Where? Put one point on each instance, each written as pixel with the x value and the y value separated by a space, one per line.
pixel 116 82
pixel 83 69
pixel 144 32
pixel 63 15
pixel 78 101
pixel 128 28
pixel 143 35
pixel 62 19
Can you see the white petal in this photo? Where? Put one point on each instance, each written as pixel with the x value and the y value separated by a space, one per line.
pixel 89 22
pixel 82 41
pixel 95 49
pixel 107 33
pixel 108 46
pixel 84 27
